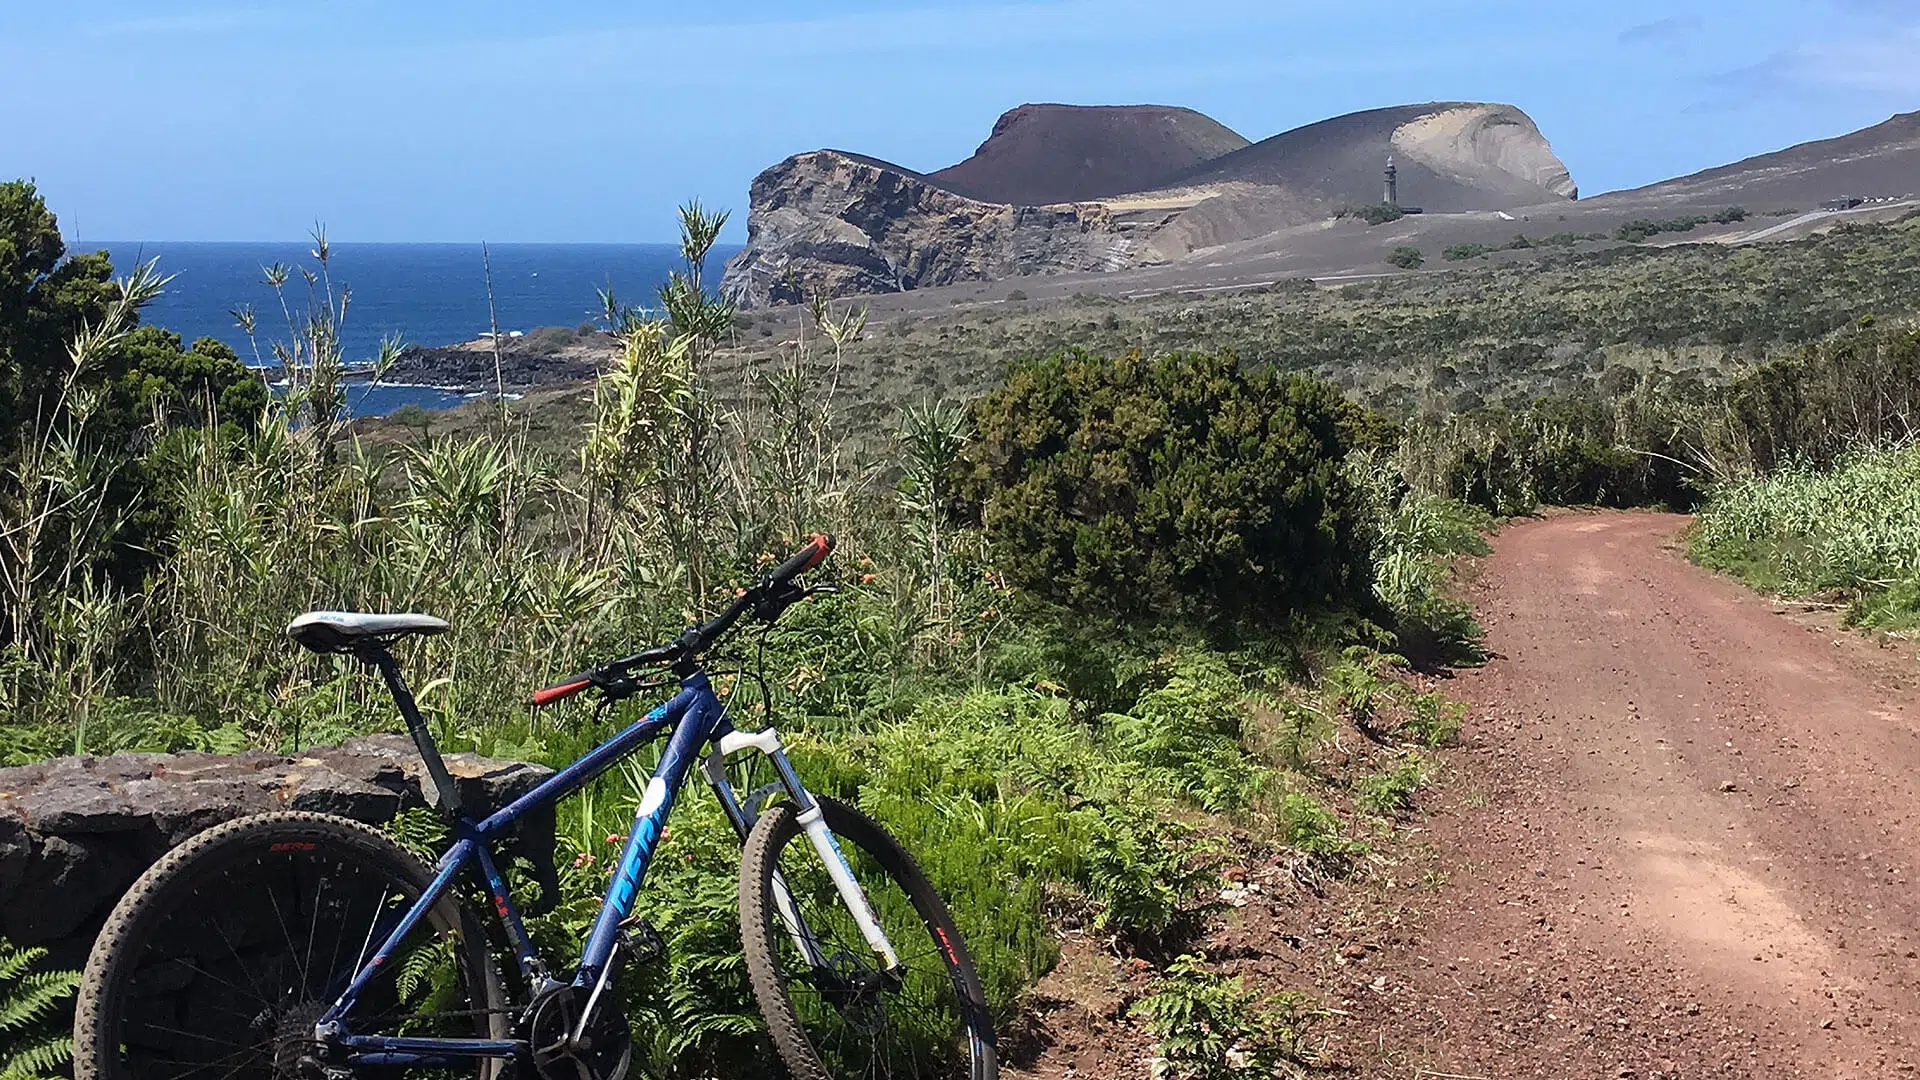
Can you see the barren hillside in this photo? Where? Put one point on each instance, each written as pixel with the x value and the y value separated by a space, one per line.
pixel 1041 154
pixel 1877 162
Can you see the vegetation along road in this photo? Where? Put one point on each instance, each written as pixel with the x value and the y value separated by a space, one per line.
pixel 1687 846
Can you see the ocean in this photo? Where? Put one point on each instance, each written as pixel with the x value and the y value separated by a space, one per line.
pixel 429 294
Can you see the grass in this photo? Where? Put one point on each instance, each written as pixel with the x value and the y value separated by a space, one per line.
pixel 1483 333
pixel 1852 531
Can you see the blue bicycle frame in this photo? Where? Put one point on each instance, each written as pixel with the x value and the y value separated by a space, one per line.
pixel 698 722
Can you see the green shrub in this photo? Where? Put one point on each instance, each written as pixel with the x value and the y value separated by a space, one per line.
pixel 1642 228
pixel 1463 252
pixel 1188 731
pixel 1406 257
pixel 1310 828
pixel 1415 537
pixel 1211 1027
pixel 1379 213
pixel 1586 449
pixel 547 340
pixel 1176 486
pixel 1434 719
pixel 1146 875
pixel 1859 389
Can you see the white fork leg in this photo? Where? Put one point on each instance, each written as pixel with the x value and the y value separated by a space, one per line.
pixel 815 824
pixel 716 769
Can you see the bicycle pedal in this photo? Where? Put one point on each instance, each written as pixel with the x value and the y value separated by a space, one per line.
pixel 642 942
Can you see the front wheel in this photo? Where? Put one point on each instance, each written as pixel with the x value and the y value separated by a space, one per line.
pixel 832 1009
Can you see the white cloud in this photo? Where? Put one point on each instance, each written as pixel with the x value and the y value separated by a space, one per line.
pixel 194 22
pixel 1883 65
pixel 1663 31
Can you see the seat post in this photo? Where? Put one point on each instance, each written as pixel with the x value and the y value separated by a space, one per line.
pixel 445 797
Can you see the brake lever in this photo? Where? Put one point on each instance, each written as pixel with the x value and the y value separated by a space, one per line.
pixel 615 688
pixel 776 601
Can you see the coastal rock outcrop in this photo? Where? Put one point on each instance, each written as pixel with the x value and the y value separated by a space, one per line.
pixel 1061 188
pixel 75 833
pixel 838 223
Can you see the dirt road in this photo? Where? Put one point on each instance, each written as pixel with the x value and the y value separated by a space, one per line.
pixel 1688 833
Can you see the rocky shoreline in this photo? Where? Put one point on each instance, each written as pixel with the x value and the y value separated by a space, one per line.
pixel 537 359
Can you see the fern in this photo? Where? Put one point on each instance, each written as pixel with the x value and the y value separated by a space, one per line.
pixel 1212 1027
pixel 32 1041
pixel 427 966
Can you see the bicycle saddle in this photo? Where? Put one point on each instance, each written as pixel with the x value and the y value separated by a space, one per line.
pixel 345 631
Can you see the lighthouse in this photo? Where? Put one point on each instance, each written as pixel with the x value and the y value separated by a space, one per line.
pixel 1393 184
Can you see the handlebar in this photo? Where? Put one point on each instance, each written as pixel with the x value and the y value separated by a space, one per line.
pixel 767 598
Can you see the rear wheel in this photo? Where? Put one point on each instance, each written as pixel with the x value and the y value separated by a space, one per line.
pixel 837 1013
pixel 219 961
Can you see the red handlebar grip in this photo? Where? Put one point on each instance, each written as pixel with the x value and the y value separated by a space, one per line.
pixel 550 694
pixel 817 550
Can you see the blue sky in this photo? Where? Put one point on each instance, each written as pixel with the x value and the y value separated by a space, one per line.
pixel 507 120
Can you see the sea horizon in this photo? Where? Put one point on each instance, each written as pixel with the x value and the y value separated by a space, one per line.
pixel 427 293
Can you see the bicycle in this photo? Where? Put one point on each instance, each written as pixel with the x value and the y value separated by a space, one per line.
pixel 212 965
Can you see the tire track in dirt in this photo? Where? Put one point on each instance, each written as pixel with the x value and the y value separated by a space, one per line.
pixel 1688 836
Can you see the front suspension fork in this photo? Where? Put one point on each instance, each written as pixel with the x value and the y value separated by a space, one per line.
pixel 813 823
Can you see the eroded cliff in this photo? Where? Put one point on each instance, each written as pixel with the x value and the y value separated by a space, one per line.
pixel 838 223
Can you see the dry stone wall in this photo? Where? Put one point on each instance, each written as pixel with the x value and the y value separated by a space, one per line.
pixel 75 833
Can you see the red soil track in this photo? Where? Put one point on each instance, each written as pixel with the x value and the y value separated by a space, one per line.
pixel 1689 833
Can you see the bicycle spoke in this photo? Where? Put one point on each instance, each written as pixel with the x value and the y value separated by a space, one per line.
pixel 227 974
pixel 149 1026
pixel 339 938
pixel 285 934
pixel 313 929
pixel 241 964
pixel 361 960
pixel 199 1067
pixel 210 975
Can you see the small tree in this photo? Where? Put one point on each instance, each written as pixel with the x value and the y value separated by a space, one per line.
pixel 1407 257
pixel 413 416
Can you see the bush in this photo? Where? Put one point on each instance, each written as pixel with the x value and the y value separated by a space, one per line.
pixel 1585 449
pixel 1463 252
pixel 1181 485
pixel 548 340
pixel 1860 389
pixel 1635 231
pixel 1379 213
pixel 1406 257
pixel 1389 792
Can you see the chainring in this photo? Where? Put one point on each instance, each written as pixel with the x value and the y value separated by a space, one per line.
pixel 604 1053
